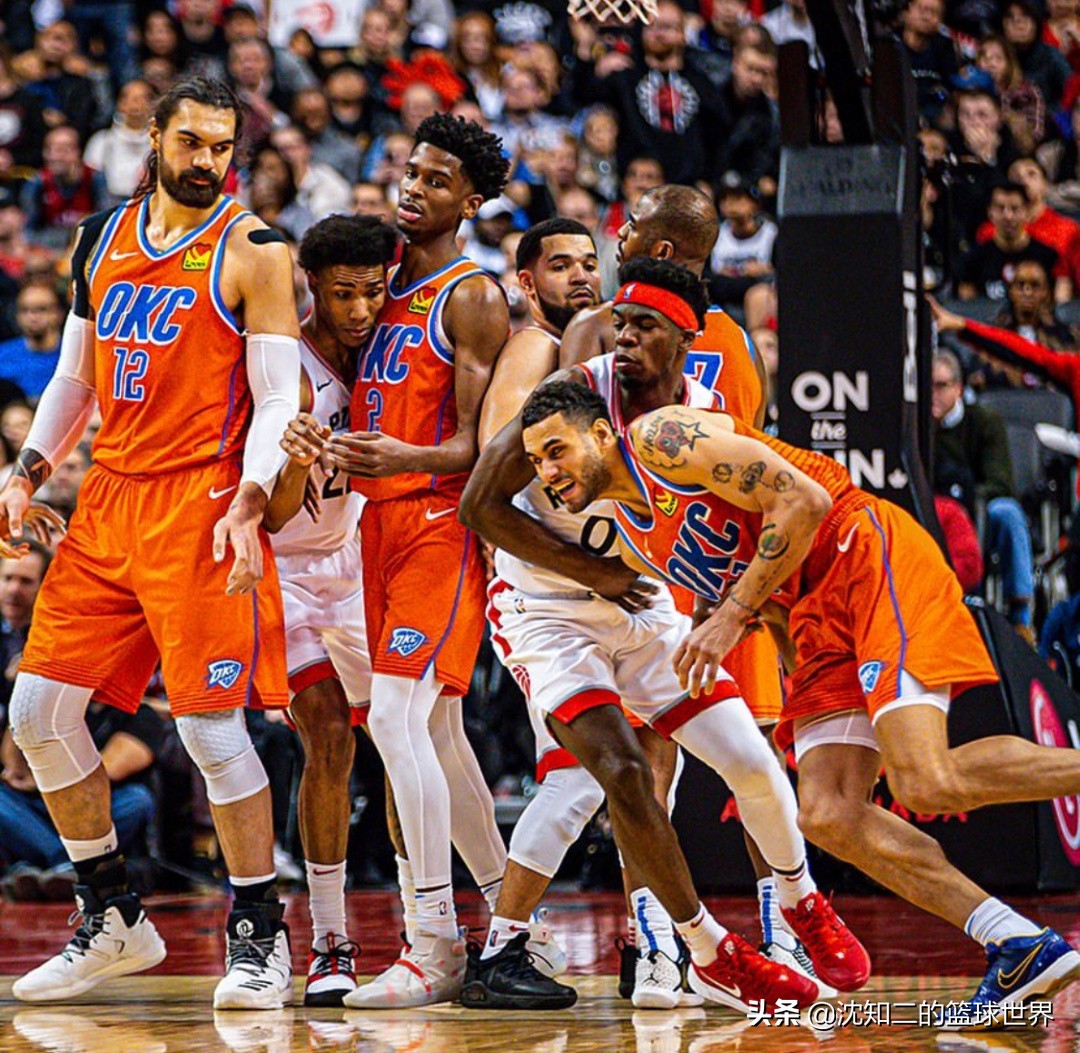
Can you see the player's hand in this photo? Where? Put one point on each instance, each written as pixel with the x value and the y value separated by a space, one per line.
pixel 697 659
pixel 19 514
pixel 623 585
pixel 304 439
pixel 239 527
pixel 369 454
pixel 946 321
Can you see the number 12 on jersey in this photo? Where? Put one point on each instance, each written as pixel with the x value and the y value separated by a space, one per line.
pixel 131 366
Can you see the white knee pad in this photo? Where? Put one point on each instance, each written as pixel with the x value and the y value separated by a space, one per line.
pixel 567 799
pixel 221 748
pixel 48 723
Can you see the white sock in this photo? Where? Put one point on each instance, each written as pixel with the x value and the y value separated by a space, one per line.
pixel 408 897
pixel 654 930
pixel 326 899
pixel 702 934
pixel 993 921
pixel 435 913
pixel 501 932
pixel 773 928
pixel 98 846
pixel 491 894
pixel 791 888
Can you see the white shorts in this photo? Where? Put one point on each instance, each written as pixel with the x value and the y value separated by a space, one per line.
pixel 569 654
pixel 324 621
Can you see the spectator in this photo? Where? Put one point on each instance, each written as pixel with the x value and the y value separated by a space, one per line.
pixel 1045 224
pixel 525 128
pixel 962 542
pixel 112 19
pixel 1030 309
pixel 748 131
pixel 717 37
pixel 472 52
pixel 14 250
pixel 266 105
pixel 160 73
pixel 971 459
pixel 1061 30
pixel 346 90
pixel 931 54
pixel 61 491
pixel 597 164
pixel 375 51
pixel 668 107
pixel 30 358
pixel 22 124
pixel 311 114
pixel 20 580
pixel 318 187
pixel 396 150
pixel 15 420
pixel 272 194
pixel 206 51
pixel 161 38
pixel 418 101
pixel 119 152
pixel 641 174
pixel 743 253
pixel 1022 104
pixel 483 242
pixel 1042 64
pixel 988 268
pixel 56 74
pixel 369 199
pixel 1061 159
pixel 64 193
pixel 577 203
pixel 524 21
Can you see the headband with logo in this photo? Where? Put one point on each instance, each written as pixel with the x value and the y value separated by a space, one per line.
pixel 671 306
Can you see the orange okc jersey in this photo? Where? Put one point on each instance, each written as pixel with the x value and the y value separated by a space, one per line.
pixel 168 355
pixel 722 359
pixel 405 377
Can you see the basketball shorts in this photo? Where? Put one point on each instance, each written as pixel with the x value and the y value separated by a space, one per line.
pixel 135 582
pixel 423 589
pixel 880 601
pixel 324 620
pixel 570 654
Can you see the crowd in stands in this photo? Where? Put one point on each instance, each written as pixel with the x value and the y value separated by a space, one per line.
pixel 592 115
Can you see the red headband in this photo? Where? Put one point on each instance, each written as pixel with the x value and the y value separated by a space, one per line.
pixel 671 306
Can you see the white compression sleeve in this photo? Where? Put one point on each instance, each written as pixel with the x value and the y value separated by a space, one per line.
pixel 273 369
pixel 68 399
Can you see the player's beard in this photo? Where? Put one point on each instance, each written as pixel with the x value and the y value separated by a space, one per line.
pixel 557 315
pixel 595 479
pixel 183 191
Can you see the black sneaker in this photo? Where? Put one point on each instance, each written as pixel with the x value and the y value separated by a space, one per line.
pixel 509 980
pixel 627 967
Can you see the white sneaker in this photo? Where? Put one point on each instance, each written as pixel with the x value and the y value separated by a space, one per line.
pixel 547 956
pixel 432 970
pixel 796 959
pixel 331 971
pixel 115 938
pixel 658 983
pixel 258 964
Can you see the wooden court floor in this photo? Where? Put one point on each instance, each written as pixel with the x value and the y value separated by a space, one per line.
pixel 917 960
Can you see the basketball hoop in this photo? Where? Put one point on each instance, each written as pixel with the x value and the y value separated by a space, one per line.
pixel 624 11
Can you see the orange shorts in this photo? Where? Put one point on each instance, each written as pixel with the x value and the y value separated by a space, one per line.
pixel 135 583
pixel 879 599
pixel 423 589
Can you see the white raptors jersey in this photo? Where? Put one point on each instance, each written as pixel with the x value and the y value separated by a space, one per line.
pixel 340 506
pixel 594 528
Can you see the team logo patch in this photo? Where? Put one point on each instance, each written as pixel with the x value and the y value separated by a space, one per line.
pixel 869 674
pixel 223 673
pixel 423 299
pixel 667 503
pixel 405 641
pixel 197 257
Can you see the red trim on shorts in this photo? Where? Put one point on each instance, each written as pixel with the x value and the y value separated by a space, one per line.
pixel 575 705
pixel 312 674
pixel 358 715
pixel 495 617
pixel 670 721
pixel 554 760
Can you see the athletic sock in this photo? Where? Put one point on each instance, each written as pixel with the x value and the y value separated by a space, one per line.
pixel 702 934
pixel 435 911
pixel 993 921
pixel 326 899
pixel 773 929
pixel 408 897
pixel 501 932
pixel 490 892
pixel 793 885
pixel 104 872
pixel 254 891
pixel 654 929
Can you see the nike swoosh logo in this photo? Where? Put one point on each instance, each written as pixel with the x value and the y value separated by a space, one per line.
pixel 118 256
pixel 735 991
pixel 320 873
pixel 438 515
pixel 215 493
pixel 844 545
pixel 1008 980
pixel 325 383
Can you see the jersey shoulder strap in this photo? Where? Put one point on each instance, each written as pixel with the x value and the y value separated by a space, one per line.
pixel 89 232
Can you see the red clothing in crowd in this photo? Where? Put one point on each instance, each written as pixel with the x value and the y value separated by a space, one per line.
pixel 1058 232
pixel 965 553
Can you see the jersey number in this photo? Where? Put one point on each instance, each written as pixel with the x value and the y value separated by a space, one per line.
pixel 332 488
pixel 375 408
pixel 131 365
pixel 704 367
pixel 598 535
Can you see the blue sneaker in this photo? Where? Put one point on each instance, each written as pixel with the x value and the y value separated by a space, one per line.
pixel 1018 970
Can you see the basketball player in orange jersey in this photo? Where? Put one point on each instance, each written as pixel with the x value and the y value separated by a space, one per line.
pixel 680 224
pixel 184 327
pixel 416 403
pixel 881 636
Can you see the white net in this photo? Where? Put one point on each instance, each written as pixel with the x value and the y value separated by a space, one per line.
pixel 623 11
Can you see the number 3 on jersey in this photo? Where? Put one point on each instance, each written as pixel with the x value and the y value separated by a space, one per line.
pixel 131 366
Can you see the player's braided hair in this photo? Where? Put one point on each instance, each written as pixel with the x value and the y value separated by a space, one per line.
pixel 479 152
pixel 531 245
pixel 576 402
pixel 204 90
pixel 347 241
pixel 670 276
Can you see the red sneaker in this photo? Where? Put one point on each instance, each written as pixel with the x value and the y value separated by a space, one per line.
pixel 839 959
pixel 740 976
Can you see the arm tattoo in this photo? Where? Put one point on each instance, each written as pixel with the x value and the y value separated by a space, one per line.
pixel 33 467
pixel 751 476
pixel 773 542
pixel 664 437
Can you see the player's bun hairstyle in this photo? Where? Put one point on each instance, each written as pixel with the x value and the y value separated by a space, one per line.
pixel 670 276
pixel 205 90
pixel 479 152
pixel 531 246
pixel 347 241
pixel 576 402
